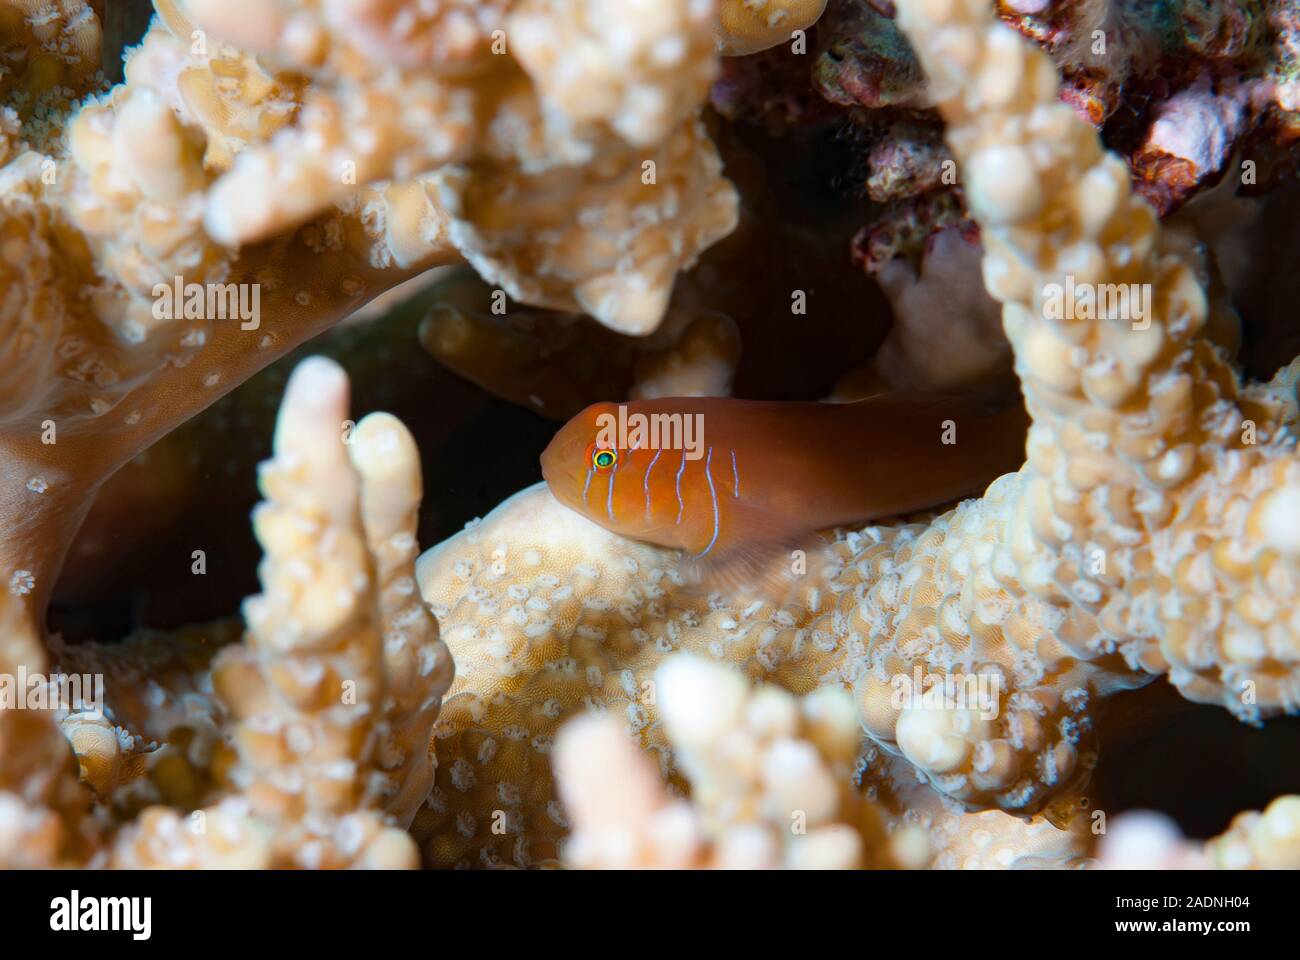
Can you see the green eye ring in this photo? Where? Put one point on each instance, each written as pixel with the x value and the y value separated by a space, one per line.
pixel 604 459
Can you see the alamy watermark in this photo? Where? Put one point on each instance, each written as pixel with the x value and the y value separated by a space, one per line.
pixel 654 431
pixel 75 913
pixel 1098 301
pixel 80 692
pixel 209 301
pixel 980 692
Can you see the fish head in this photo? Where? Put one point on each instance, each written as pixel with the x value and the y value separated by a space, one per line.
pixel 578 456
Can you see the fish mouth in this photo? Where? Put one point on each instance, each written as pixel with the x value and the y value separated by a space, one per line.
pixel 560 467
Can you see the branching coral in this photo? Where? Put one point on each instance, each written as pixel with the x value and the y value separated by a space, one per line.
pixel 609 195
pixel 1142 524
pixel 1138 449
pixel 42 806
pixel 335 690
pixel 1255 840
pixel 329 702
pixel 606 239
pixel 1148 533
pixel 345 146
pixel 205 147
pixel 747 26
pixel 49 52
pixel 547 614
pixel 559 363
pixel 97 371
pixel 769 781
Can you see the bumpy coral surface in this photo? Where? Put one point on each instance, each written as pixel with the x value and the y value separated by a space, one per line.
pixel 334 692
pixel 768 774
pixel 537 690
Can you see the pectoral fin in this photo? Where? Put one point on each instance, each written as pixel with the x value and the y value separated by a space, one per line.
pixel 756 554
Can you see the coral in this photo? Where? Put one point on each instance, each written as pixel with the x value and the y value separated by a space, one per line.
pixel 337 687
pixel 338 149
pixel 748 26
pixel 42 805
pixel 947 333
pixel 502 120
pixel 559 363
pixel 547 614
pixel 209 146
pixel 1143 536
pixel 1255 840
pixel 161 734
pixel 643 65
pixel 90 230
pixel 701 364
pixel 224 91
pixel 1136 451
pixel 769 778
pixel 606 239
pixel 49 54
pixel 330 700
pixel 1147 841
pixel 1268 840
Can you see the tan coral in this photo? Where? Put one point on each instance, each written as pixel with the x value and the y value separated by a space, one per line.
pixel 607 240
pixel 235 99
pixel 1143 536
pixel 356 38
pixel 226 837
pixel 1255 840
pixel 1135 454
pixel 169 726
pixel 1267 840
pixel 520 111
pixel 748 26
pixel 559 363
pixel 417 667
pixel 769 779
pixel 701 364
pixel 548 614
pixel 544 613
pixel 49 53
pixel 90 231
pixel 1152 530
pixel 337 144
pixel 1144 840
pixel 42 806
pixel 333 694
pixel 638 66
pixel 137 194
pixel 33 313
pixel 361 121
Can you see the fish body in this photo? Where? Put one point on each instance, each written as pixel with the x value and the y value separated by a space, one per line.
pixel 730 480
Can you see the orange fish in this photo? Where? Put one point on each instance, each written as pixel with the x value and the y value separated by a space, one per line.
pixel 731 482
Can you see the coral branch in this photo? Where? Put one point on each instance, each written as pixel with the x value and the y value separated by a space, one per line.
pixel 334 692
pixel 1150 532
pixel 545 121
pixel 41 804
pixel 769 779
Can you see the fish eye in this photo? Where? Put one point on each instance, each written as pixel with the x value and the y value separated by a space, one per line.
pixel 602 458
